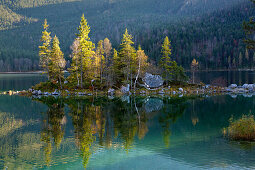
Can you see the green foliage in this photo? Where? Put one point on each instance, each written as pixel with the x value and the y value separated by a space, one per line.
pixel 241 129
pixel 127 56
pixel 171 70
pixel 57 62
pixel 81 64
pixel 203 36
pixel 45 48
pixel 249 28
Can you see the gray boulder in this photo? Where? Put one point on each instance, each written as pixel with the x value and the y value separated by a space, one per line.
pixel 35 92
pixel 232 86
pixel 153 81
pixel 180 89
pixel 39 92
pixel 245 86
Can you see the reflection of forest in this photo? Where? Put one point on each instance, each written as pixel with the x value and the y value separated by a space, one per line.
pixel 76 128
pixel 104 120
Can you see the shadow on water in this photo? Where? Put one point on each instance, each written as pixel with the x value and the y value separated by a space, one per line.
pixel 122 132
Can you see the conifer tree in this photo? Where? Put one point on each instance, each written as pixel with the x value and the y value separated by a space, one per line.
pixel 165 61
pixel 57 62
pixel 171 70
pixel 86 53
pixel 45 48
pixel 128 56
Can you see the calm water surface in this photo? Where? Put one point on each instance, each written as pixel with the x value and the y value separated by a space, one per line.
pixel 222 78
pixel 122 133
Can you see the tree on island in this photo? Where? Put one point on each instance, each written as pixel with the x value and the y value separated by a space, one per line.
pixel 83 60
pixel 141 63
pixel 171 70
pixel 57 62
pixel 45 49
pixel 127 56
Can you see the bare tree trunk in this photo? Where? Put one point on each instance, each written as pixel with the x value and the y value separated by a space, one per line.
pixel 138 73
pixel 101 70
pixel 193 77
pixel 77 74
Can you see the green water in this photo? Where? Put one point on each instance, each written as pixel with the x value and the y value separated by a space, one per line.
pixel 122 133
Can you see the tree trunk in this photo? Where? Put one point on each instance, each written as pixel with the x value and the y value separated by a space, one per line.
pixel 193 77
pixel 137 74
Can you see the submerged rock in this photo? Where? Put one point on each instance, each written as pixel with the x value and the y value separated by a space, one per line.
pixel 153 81
pixel 153 104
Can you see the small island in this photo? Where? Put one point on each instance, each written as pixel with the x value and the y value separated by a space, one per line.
pixel 103 70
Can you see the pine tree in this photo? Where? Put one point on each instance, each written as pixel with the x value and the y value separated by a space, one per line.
pixel 165 61
pixel 45 48
pixel 86 53
pixel 127 55
pixel 57 62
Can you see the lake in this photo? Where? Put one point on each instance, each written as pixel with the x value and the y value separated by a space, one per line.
pixel 220 78
pixel 106 133
pixel 122 133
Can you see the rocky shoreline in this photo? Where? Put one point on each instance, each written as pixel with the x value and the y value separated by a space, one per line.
pixel 247 90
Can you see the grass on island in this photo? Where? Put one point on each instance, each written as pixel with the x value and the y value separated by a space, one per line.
pixel 241 129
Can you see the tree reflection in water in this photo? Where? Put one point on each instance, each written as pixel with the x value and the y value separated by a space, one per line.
pixel 100 122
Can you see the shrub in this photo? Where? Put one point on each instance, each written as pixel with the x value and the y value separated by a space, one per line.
pixel 241 129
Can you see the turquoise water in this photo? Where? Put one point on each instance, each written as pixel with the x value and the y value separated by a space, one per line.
pixel 122 133
pixel 220 78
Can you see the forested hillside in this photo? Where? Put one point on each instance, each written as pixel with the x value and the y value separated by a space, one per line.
pixel 210 31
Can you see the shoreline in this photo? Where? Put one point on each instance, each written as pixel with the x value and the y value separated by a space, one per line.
pixel 220 70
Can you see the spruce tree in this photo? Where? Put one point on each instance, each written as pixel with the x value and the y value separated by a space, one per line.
pixel 57 62
pixel 45 49
pixel 86 53
pixel 165 61
pixel 128 56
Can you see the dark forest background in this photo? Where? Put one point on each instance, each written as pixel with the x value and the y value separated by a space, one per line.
pixel 209 31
